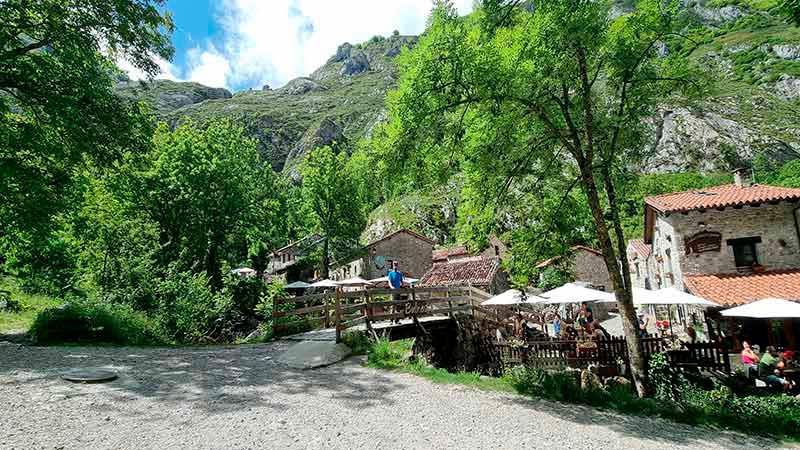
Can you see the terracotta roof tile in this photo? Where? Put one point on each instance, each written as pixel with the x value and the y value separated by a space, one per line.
pixel 443 253
pixel 735 289
pixel 720 197
pixel 640 247
pixel 474 271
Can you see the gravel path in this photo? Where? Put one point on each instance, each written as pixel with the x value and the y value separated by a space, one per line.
pixel 239 398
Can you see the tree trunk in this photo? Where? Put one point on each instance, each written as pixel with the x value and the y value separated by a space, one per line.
pixel 621 290
pixel 325 259
pixel 213 270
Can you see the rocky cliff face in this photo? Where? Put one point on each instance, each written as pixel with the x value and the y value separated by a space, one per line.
pixel 338 103
pixel 753 110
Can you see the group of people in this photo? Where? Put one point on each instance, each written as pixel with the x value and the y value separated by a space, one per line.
pixel 584 325
pixel 770 366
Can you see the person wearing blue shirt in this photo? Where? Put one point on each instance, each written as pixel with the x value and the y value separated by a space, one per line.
pixel 396 282
pixel 395 277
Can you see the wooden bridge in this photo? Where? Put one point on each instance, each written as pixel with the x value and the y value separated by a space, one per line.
pixel 397 312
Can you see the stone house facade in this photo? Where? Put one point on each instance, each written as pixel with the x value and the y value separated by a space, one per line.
pixel 287 261
pixel 585 264
pixel 736 229
pixel 411 250
pixel 495 248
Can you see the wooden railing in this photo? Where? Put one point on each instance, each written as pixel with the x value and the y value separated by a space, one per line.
pixel 347 309
pixel 613 352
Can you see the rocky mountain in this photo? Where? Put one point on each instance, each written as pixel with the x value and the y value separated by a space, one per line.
pixel 339 103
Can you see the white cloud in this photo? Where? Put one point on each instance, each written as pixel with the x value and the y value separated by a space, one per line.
pixel 274 41
pixel 208 67
pixel 168 70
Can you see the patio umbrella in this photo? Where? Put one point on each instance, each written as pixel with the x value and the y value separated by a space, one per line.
pixel 243 271
pixel 325 283
pixel 298 285
pixel 513 297
pixel 768 308
pixel 575 293
pixel 668 296
pixel 355 281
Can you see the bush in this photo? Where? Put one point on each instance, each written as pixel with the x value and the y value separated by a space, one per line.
pixel 189 311
pixel 92 323
pixel 358 342
pixel 384 354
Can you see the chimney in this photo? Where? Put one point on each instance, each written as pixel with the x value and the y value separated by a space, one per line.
pixel 741 178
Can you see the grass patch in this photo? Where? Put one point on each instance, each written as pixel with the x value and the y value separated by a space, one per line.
pixel 30 306
pixel 717 407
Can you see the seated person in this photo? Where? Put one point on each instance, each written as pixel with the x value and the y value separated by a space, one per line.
pixel 768 362
pixel 778 380
pixel 598 332
pixel 749 358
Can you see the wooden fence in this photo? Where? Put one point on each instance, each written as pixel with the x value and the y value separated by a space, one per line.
pixel 342 310
pixel 613 352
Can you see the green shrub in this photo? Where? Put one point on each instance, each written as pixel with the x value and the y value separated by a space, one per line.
pixel 92 323
pixel 189 311
pixel 358 341
pixel 384 354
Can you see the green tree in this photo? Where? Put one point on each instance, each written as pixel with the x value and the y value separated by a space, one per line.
pixel 211 196
pixel 58 110
pixel 791 10
pixel 557 92
pixel 332 198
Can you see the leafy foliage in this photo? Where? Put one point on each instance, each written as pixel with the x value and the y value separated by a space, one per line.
pixel 58 110
pixel 331 196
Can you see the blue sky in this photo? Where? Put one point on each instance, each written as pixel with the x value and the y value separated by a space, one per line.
pixel 242 44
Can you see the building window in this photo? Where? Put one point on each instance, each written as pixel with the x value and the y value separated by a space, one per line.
pixel 638 274
pixel 744 251
pixel 496 250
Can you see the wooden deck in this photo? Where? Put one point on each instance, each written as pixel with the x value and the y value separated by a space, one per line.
pixel 373 310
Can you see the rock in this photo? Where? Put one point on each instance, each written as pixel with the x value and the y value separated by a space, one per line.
pixel 617 381
pixel 313 354
pixel 789 52
pixel 787 87
pixel 266 88
pixel 589 380
pixel 302 85
pixel 327 132
pixel 254 336
pixel 342 52
pixel 355 64
pixel 718 16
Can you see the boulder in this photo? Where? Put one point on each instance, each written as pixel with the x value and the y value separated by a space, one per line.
pixel 342 52
pixel 313 354
pixel 355 64
pixel 302 85
pixel 787 87
pixel 617 381
pixel 266 87
pixel 589 380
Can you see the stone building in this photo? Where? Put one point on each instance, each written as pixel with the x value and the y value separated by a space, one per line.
pixel 495 248
pixel 287 262
pixel 478 271
pixel 585 264
pixel 711 241
pixel 411 250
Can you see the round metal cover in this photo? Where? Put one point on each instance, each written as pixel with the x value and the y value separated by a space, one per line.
pixel 89 375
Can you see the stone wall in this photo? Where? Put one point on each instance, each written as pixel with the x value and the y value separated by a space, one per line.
pixel 774 224
pixel 415 256
pixel 591 268
pixel 646 274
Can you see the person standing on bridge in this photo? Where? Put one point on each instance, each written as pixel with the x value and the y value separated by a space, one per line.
pixel 396 282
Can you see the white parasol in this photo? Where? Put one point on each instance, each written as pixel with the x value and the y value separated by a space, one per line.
pixel 768 308
pixel 325 283
pixel 298 285
pixel 513 297
pixel 355 281
pixel 575 293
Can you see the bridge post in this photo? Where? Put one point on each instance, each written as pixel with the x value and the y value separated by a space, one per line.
pixel 338 316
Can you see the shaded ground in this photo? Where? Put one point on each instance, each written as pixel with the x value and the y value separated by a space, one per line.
pixel 241 398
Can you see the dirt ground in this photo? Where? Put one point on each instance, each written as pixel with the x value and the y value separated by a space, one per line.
pixel 241 398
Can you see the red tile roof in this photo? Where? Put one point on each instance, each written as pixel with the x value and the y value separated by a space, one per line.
pixel 572 249
pixel 476 272
pixel 443 253
pixel 640 247
pixel 735 289
pixel 720 197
